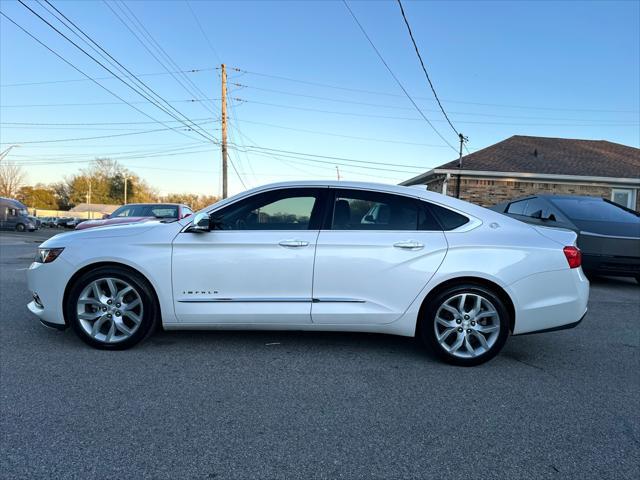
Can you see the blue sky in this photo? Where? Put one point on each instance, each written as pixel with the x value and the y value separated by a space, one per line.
pixel 560 69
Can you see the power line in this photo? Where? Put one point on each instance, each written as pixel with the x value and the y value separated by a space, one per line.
pixel 398 107
pixel 391 117
pixel 108 77
pixel 233 121
pixel 88 104
pixel 389 94
pixel 63 161
pixel 395 77
pixel 355 137
pixel 90 78
pixel 424 69
pixel 184 147
pixel 110 60
pixel 60 140
pixel 204 34
pixel 333 164
pixel 331 157
pixel 204 120
pixel 233 165
pixel 62 156
pixel 592 122
pixel 145 32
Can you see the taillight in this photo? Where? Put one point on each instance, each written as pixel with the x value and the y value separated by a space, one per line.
pixel 574 256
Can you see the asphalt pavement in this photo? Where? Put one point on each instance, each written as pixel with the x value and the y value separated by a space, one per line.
pixel 271 405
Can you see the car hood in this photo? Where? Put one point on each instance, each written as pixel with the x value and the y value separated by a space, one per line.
pixel 112 221
pixel 126 230
pixel 614 229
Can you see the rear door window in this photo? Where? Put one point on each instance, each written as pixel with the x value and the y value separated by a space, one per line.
pixel 365 210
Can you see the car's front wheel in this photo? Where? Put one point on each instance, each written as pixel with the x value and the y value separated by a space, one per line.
pixel 112 308
pixel 465 324
pixel 20 227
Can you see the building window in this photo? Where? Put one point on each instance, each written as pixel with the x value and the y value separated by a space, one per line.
pixel 624 197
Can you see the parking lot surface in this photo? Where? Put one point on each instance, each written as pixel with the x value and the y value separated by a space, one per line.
pixel 224 405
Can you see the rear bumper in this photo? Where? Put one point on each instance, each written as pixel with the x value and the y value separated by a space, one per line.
pixel 558 328
pixel 611 265
pixel 550 301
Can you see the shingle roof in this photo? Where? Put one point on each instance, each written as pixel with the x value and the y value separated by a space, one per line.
pixel 94 207
pixel 559 156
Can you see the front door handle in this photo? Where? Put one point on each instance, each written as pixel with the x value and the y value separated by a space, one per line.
pixel 409 245
pixel 293 243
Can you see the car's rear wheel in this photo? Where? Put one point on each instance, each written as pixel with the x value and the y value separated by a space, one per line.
pixel 465 324
pixel 112 308
pixel 20 227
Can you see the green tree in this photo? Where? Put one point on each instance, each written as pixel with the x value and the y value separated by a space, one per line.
pixel 38 196
pixel 106 179
pixel 196 202
pixel 62 194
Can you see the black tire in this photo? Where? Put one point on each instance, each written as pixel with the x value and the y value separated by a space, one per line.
pixel 150 307
pixel 20 227
pixel 427 326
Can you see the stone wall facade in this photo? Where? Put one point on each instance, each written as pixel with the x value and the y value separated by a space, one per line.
pixel 487 191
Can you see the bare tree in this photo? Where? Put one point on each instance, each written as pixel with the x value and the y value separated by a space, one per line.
pixel 11 179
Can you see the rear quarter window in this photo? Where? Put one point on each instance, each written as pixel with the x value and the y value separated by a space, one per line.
pixel 449 220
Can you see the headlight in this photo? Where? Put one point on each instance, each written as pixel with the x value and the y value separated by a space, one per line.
pixel 48 255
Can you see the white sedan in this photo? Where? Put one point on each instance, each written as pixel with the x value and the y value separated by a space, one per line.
pixel 341 256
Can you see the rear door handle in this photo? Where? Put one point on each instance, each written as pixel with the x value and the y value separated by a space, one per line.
pixel 293 243
pixel 409 245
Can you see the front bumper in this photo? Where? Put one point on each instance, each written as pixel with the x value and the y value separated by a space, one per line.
pixel 48 281
pixel 38 311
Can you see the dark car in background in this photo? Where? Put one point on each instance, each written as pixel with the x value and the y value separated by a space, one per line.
pixel 47 221
pixel 608 233
pixel 140 212
pixel 36 221
pixel 61 222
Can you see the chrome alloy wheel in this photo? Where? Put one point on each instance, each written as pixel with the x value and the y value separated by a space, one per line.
pixel 467 325
pixel 109 310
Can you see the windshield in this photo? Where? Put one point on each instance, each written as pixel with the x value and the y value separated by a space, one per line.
pixel 594 209
pixel 158 211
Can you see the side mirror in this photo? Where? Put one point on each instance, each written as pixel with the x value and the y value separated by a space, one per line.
pixel 201 223
pixel 537 214
pixel 186 215
pixel 105 216
pixel 216 221
pixel 369 218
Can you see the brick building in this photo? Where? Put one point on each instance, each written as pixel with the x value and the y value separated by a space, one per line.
pixel 522 165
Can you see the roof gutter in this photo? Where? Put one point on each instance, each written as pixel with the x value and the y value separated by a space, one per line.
pixel 523 177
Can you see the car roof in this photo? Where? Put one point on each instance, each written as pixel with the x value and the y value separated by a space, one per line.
pixel 550 196
pixel 419 191
pixel 156 203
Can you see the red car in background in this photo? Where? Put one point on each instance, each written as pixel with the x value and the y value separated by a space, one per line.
pixel 139 212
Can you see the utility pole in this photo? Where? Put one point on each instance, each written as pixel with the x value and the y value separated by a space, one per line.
pixel 89 199
pixel 224 130
pixel 125 189
pixel 463 139
pixel 338 171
